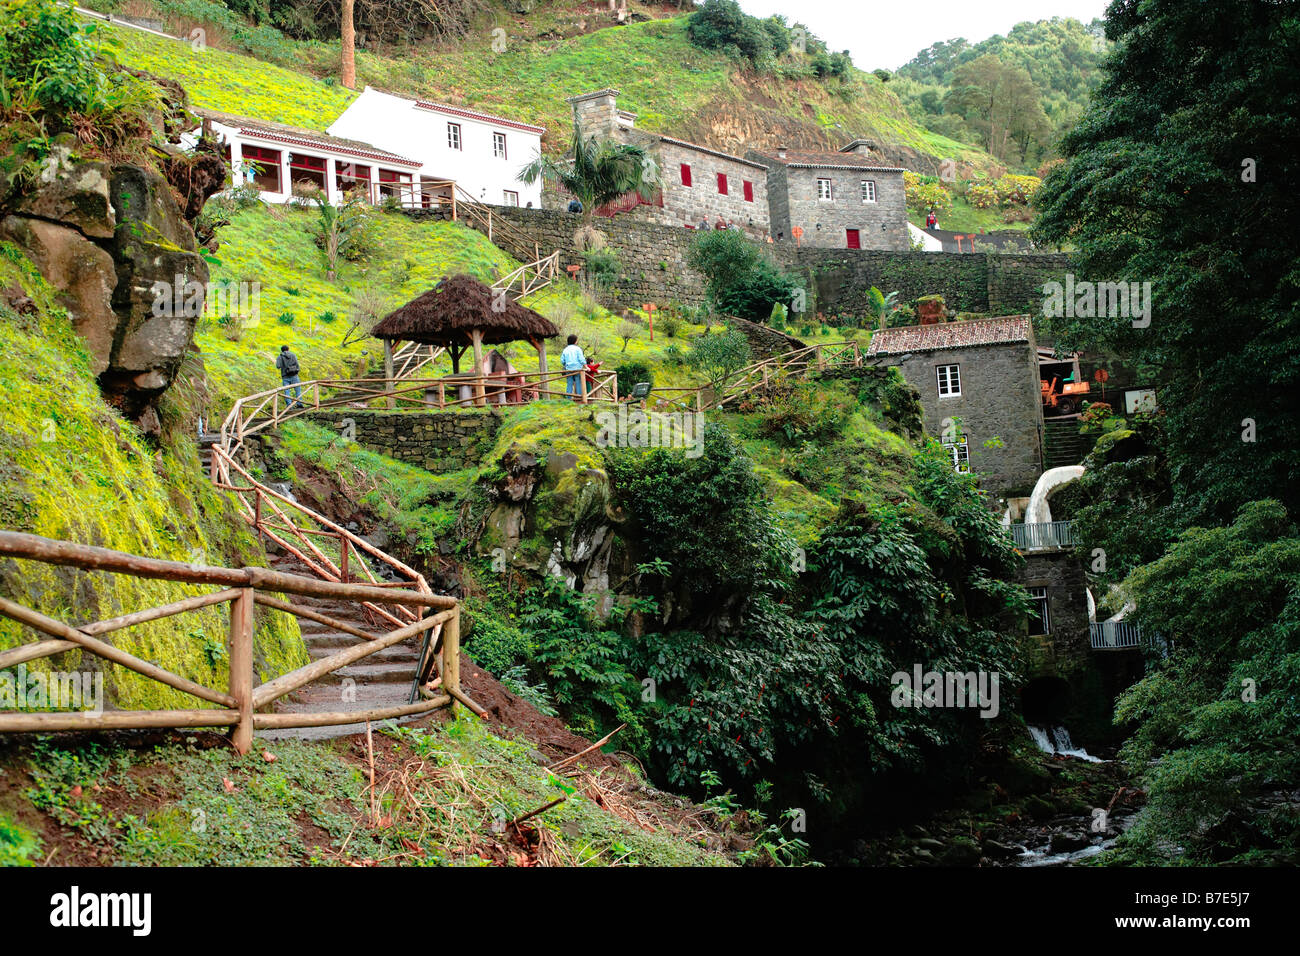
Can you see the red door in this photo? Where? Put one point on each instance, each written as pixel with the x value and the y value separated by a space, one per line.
pixel 854 241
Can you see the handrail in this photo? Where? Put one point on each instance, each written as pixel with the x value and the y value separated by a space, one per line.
pixel 241 587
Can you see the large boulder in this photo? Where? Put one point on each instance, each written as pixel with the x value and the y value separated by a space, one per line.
pixel 161 283
pixel 83 273
pixel 72 192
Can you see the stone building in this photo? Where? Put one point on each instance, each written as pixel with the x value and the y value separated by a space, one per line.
pixel 697 184
pixel 843 200
pixel 978 381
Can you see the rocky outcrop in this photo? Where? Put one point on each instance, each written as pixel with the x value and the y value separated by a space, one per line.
pixel 117 247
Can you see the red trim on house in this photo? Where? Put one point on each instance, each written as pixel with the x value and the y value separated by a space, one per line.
pixel 686 174
pixel 484 117
pixel 328 147
pixel 722 184
pixel 749 191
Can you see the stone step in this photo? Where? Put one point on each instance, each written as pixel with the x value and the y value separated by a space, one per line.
pixel 365 673
pixel 400 654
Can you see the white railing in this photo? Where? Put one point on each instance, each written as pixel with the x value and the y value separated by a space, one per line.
pixel 1115 635
pixel 1042 535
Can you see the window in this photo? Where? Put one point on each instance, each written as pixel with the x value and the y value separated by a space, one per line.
pixel 749 190
pixel 453 135
pixel 960 455
pixel 949 379
pixel 350 176
pixel 309 170
pixel 512 197
pixel 499 146
pixel 387 179
pixel 868 190
pixel 686 174
pixel 265 166
pixel 1039 620
pixel 853 238
pixel 722 184
pixel 824 189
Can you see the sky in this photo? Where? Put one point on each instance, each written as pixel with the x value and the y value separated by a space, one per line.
pixel 888 33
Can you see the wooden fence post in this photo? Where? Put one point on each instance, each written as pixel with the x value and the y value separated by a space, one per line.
pixel 241 668
pixel 451 656
pixel 388 374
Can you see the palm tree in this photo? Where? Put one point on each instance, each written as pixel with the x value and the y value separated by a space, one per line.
pixel 597 171
pixel 881 306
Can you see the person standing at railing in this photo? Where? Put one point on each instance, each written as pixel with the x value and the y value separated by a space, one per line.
pixel 574 364
pixel 287 363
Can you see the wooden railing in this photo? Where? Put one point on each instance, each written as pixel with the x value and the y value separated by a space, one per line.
pixel 241 588
pixel 256 413
pixel 799 363
pixel 531 276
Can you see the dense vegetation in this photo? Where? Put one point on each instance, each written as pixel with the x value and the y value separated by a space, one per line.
pixel 1181 178
pixel 1015 94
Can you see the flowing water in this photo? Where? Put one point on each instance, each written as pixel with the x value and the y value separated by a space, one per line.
pixel 1056 740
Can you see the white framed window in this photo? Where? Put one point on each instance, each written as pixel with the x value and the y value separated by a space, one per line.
pixel 511 197
pixel 1040 621
pixel 949 380
pixel 868 190
pixel 824 189
pixel 960 453
pixel 453 135
pixel 499 146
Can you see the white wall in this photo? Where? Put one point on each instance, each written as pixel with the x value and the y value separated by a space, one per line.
pixel 400 126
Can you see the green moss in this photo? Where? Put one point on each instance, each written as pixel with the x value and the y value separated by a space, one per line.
pixel 71 468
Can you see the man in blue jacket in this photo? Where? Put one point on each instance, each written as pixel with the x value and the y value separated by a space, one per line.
pixel 574 364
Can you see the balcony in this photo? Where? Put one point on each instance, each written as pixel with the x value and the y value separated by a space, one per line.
pixel 1044 535
pixel 1115 636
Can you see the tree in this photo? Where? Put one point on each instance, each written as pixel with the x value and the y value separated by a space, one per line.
pixel 348 36
pixel 881 306
pixel 720 355
pixel 597 171
pixel 741 281
pixel 1185 178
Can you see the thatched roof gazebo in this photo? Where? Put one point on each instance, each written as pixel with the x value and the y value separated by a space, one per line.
pixel 461 312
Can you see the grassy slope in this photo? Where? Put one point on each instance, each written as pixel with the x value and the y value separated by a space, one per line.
pixel 72 469
pixel 674 86
pixel 310 805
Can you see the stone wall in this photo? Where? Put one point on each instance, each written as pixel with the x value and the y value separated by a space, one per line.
pixel 654 260
pixel 437 441
pixel 1066 649
pixel 687 205
pixel 999 399
pixel 653 257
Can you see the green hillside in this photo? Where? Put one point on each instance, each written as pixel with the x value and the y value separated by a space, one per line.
pixel 552 53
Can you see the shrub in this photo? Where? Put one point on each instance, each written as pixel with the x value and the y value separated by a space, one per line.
pixel 670 324
pixel 627 331
pixel 925 193
pixel 603 268
pixel 720 355
pixel 328 318
pixel 286 318
pixel 741 280
pixel 1017 190
pixel 630 373
pixel 982 195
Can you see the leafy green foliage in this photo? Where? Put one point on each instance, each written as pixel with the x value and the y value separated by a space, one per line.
pixel 1158 187
pixel 596 171
pixel 742 281
pixel 720 355
pixel 1220 713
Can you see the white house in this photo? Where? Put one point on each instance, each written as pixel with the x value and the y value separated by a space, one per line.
pixel 482 153
pixel 276 156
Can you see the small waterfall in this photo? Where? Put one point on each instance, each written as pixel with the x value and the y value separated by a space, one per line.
pixel 283 488
pixel 1056 740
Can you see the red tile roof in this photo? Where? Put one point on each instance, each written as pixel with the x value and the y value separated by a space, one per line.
pixel 297 136
pixel 951 335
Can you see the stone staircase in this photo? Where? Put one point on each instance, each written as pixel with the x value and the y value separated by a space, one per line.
pixel 381 680
pixel 1062 443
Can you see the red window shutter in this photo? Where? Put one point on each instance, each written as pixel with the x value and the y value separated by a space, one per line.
pixel 686 174
pixel 749 191
pixel 722 184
